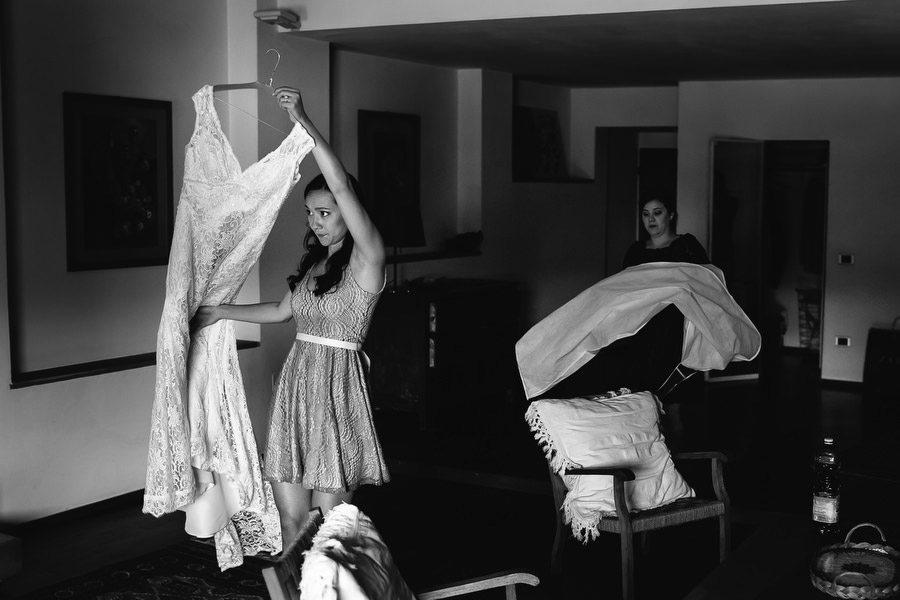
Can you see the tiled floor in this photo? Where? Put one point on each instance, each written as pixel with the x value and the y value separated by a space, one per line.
pixel 472 496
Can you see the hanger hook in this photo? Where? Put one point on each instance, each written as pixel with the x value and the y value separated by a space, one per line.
pixel 275 68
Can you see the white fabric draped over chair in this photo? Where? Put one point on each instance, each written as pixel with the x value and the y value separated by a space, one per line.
pixel 716 331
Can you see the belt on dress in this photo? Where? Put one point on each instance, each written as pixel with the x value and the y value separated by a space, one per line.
pixel 305 337
pixel 367 363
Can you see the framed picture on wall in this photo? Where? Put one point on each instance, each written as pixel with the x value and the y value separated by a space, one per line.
pixel 389 175
pixel 538 153
pixel 118 168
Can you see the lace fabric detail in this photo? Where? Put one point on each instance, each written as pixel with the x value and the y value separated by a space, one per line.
pixel 199 418
pixel 321 429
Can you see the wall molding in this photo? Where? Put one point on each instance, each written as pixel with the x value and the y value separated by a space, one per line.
pixel 90 369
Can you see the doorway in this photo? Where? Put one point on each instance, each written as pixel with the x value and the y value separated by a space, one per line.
pixel 768 213
pixel 796 207
pixel 634 163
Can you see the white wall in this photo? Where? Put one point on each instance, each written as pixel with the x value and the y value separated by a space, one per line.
pixel 67 444
pixel 616 107
pixel 546 235
pixel 860 118
pixel 371 83
pixel 469 156
pixel 533 233
pixel 90 47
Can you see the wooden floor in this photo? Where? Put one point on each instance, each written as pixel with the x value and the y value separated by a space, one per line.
pixel 471 498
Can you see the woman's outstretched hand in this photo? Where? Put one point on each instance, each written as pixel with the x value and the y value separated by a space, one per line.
pixel 289 99
pixel 204 317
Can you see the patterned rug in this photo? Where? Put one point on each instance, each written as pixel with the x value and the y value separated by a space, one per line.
pixel 185 570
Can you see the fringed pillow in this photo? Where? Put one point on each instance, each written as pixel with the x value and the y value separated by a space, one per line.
pixel 618 429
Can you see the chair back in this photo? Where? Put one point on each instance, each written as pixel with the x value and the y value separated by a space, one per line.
pixel 283 577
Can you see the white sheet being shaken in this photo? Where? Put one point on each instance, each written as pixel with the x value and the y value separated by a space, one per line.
pixel 716 329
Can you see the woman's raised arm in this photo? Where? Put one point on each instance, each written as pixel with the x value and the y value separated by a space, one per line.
pixel 368 245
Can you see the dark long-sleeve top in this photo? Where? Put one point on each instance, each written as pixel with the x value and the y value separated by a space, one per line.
pixel 684 248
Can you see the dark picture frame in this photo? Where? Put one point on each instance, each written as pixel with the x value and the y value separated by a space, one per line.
pixel 118 168
pixel 538 153
pixel 389 162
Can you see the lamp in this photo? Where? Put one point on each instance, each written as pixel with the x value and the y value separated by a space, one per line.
pixel 278 16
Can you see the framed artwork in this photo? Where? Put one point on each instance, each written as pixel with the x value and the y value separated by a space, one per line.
pixel 118 166
pixel 389 175
pixel 538 153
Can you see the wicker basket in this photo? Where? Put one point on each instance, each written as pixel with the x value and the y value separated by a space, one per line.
pixel 857 570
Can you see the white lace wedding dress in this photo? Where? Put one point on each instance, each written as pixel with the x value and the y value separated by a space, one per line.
pixel 202 457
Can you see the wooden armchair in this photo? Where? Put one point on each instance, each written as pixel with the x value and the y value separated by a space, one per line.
pixel 283 577
pixel 626 523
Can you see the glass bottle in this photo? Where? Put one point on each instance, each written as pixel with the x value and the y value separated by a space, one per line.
pixel 827 491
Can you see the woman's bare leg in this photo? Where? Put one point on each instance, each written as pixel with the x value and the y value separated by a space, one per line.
pixel 328 501
pixel 293 502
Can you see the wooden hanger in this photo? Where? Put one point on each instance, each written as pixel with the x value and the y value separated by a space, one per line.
pixel 252 85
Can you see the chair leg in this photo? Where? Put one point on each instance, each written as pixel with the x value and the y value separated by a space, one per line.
pixel 559 539
pixel 627 566
pixel 724 537
pixel 644 540
pixel 559 545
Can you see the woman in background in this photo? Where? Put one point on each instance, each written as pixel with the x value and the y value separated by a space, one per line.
pixel 658 344
pixel 644 361
pixel 664 244
pixel 321 442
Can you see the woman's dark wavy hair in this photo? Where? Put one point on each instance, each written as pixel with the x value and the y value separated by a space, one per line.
pixel 315 251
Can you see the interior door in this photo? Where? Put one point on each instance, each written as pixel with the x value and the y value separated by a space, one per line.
pixel 631 175
pixel 617 157
pixel 735 232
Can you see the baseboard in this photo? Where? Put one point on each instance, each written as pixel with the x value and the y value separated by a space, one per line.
pixel 127 500
pixel 842 385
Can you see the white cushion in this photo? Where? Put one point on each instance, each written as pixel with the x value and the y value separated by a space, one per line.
pixel 346 551
pixel 610 430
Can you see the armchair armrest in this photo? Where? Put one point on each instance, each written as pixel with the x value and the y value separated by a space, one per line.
pixel 712 455
pixel 620 475
pixel 718 479
pixel 507 579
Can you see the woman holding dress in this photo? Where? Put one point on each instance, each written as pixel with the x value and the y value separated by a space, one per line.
pixel 321 442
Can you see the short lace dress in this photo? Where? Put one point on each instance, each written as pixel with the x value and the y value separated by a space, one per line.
pixel 321 433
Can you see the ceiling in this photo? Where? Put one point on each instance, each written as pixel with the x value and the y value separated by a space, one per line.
pixel 859 38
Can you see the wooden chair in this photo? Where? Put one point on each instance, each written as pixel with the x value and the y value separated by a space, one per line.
pixel 626 523
pixel 283 577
